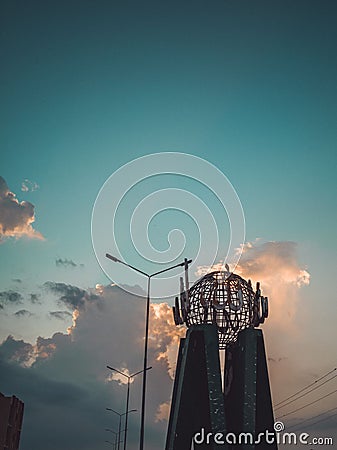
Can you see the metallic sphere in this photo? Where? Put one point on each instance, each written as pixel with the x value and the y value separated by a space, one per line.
pixel 224 299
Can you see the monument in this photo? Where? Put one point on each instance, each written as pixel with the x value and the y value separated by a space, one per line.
pixel 222 312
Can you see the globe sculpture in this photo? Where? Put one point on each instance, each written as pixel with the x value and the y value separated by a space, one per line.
pixel 224 299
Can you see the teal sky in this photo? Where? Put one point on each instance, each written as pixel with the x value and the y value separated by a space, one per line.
pixel 250 86
pixel 86 87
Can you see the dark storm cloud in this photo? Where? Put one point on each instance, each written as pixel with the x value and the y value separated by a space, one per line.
pixel 10 298
pixel 16 217
pixel 72 296
pixel 18 351
pixel 65 262
pixel 58 414
pixel 32 386
pixel 23 313
pixel 108 331
pixel 62 315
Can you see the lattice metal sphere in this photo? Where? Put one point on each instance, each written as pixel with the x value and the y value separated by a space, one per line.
pixel 224 299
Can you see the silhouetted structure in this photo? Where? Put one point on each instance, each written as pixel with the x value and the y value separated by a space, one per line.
pixel 222 311
pixel 248 404
pixel 11 416
pixel 197 401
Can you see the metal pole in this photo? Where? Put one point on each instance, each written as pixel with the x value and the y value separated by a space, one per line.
pixel 119 430
pixel 126 413
pixel 185 263
pixel 114 432
pixel 141 442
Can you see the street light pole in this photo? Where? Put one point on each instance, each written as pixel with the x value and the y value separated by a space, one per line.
pixel 142 423
pixel 149 276
pixel 119 425
pixel 114 445
pixel 129 377
pixel 120 422
pixel 114 432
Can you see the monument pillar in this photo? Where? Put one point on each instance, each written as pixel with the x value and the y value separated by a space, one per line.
pixel 221 311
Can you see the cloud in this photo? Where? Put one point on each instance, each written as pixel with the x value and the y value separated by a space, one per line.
pixel 65 262
pixel 35 298
pixel 61 315
pixel 16 217
pixel 295 358
pixel 72 296
pixel 29 186
pixel 108 328
pixel 283 279
pixel 23 313
pixel 16 351
pixel 163 412
pixel 68 413
pixel 276 266
pixel 272 260
pixel 10 298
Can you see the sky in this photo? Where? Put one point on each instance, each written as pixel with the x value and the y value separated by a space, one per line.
pixel 247 88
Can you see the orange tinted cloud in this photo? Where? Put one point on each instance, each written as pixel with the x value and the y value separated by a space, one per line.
pixel 16 217
pixel 276 266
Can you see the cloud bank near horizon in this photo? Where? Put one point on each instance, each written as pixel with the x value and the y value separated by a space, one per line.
pixel 108 328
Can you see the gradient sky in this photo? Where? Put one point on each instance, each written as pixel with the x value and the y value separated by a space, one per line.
pixel 250 86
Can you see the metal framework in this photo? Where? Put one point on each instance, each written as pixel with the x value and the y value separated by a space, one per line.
pixel 221 311
pixel 224 299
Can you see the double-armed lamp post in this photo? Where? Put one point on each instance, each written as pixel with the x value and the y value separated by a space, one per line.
pixel 149 276
pixel 120 422
pixel 116 438
pixel 129 378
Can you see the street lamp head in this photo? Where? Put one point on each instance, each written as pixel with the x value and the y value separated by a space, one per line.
pixel 129 377
pixel 129 411
pixel 110 409
pixel 120 372
pixel 113 258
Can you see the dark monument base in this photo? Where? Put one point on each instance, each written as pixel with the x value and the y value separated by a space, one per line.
pixel 197 401
pixel 248 402
pixel 200 408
